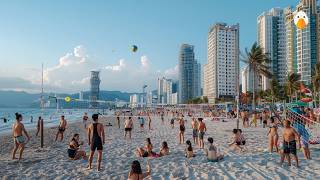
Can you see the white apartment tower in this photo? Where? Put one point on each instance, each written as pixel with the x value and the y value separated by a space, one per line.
pixel 272 39
pixel 221 72
pixel 164 91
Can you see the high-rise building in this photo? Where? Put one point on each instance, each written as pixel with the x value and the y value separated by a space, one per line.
pixel 221 72
pixel 247 80
pixel 189 74
pixel 272 40
pixel 135 100
pixel 94 89
pixel 164 90
pixel 303 50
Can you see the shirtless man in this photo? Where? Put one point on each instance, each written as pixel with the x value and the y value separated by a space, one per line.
pixel 96 139
pixel 128 125
pixel 19 139
pixel 182 130
pixel 194 125
pixel 61 128
pixel 290 137
pixel 202 129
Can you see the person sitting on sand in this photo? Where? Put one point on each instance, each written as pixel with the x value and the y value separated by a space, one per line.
pixel 128 125
pixel 73 150
pixel 273 135
pixel 164 150
pixel 182 130
pixel 19 140
pixel 147 150
pixel 136 171
pixel 212 152
pixel 189 150
pixel 290 137
pixel 237 140
pixel 61 128
pixel 96 139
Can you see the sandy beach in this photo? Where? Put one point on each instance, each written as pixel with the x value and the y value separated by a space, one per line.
pixel 52 161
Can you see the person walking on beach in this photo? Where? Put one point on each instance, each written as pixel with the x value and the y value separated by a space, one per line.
pixel 96 139
pixel 202 129
pixel 118 118
pixel 290 137
pixel 61 128
pixel 85 120
pixel 194 125
pixel 128 125
pixel 38 125
pixel 19 140
pixel 182 130
pixel 149 121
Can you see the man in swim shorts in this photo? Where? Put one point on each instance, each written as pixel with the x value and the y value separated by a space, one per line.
pixel 202 129
pixel 61 128
pixel 290 137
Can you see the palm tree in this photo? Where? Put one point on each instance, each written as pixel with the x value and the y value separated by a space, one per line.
pixel 274 89
pixel 292 84
pixel 257 62
pixel 316 82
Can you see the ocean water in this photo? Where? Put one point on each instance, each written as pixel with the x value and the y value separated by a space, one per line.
pixel 51 117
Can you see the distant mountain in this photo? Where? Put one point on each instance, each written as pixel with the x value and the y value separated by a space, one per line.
pixel 10 99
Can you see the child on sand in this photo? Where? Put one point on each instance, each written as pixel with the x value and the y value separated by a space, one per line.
pixel 164 149
pixel 290 137
pixel 19 140
pixel 189 150
pixel 212 152
pixel 136 171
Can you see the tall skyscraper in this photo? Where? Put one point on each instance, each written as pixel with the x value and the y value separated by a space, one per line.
pixel 221 71
pixel 164 91
pixel 272 40
pixel 303 50
pixel 189 74
pixel 94 89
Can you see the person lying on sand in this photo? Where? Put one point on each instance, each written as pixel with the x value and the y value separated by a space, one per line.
pixel 136 171
pixel 212 152
pixel 19 140
pixel 238 140
pixel 189 150
pixel 147 150
pixel 290 137
pixel 73 150
pixel 164 151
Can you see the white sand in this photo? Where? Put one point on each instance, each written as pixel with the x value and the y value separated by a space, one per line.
pixel 52 161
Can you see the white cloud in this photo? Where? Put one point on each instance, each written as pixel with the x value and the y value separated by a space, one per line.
pixel 118 67
pixel 72 74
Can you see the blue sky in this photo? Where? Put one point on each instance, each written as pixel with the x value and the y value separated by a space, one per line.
pixel 43 31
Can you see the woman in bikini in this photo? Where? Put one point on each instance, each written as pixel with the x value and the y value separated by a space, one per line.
pixel 73 150
pixel 147 150
pixel 273 135
pixel 136 171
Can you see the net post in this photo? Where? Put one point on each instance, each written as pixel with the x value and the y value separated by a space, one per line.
pixel 41 133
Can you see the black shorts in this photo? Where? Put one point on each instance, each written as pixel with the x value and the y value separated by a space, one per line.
pixel 141 125
pixel 61 130
pixel 290 147
pixel 96 145
pixel 127 129
pixel 182 128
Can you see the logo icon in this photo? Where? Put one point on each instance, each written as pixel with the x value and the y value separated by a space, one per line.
pixel 301 20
